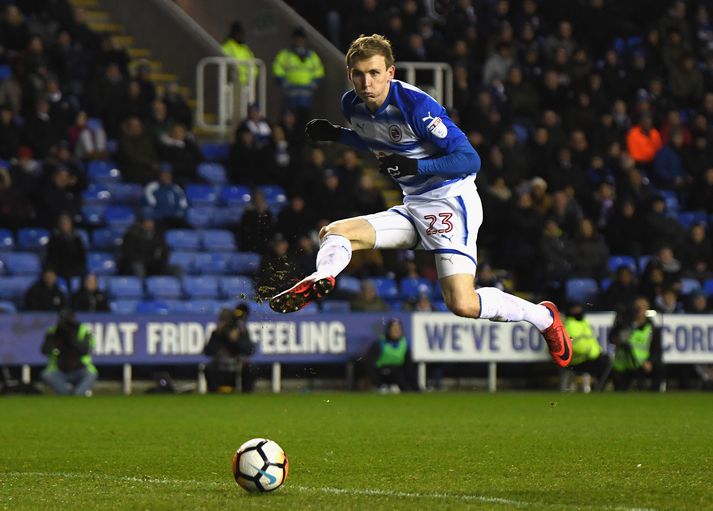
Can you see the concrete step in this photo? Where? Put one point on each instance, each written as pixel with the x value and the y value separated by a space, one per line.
pixel 154 65
pixel 108 28
pixel 84 3
pixel 139 53
pixel 98 16
pixel 163 77
pixel 125 41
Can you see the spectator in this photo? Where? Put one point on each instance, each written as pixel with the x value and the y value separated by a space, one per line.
pixel 14 33
pixel 367 198
pixel 555 256
pixel 368 300
pixel 45 294
pixel 660 229
pixel 496 67
pixel 667 302
pixel 388 359
pixel 701 196
pixel 698 304
pixel 257 124
pixel 89 142
pixel 421 303
pixel 158 122
pixel 41 132
pixel 669 168
pixel 623 232
pixel 68 346
pixel 144 251
pixel 106 99
pixel 57 197
pixel 15 210
pixel 89 297
pixel 587 356
pixel 643 140
pixel 622 291
pixel 9 133
pixel 638 348
pixel 298 70
pixel 590 254
pixel 256 225
pixel 137 154
pixel 276 269
pixel 696 254
pixel 165 201
pixel 246 162
pixel 180 150
pixel 66 253
pixel 228 347
pixel 686 82
pixel 179 110
pixel 294 220
pixel 25 172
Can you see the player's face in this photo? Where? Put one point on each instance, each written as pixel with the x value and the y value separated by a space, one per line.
pixel 371 79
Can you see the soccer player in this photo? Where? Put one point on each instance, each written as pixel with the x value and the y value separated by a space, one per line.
pixel 420 147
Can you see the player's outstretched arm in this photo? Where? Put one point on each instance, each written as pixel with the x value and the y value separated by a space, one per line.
pixel 321 130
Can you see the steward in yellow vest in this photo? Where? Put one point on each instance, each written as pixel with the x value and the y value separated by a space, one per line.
pixel 298 70
pixel 587 355
pixel 389 358
pixel 638 348
pixel 234 46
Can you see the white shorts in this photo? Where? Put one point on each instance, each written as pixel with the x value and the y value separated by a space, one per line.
pixel 447 227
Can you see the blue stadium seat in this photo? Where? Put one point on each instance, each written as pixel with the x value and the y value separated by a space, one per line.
pixel 204 286
pixel 688 218
pixel 7 241
pixel 124 287
pixel 617 261
pixel 708 287
pixel 84 236
pixel 411 288
pixel 604 284
pixel 183 239
pixel 336 306
pixel 123 306
pixel 96 193
pixel 102 171
pixel 689 286
pixel 230 215
pixel 259 309
pixel 211 263
pixel 5 72
pixel 93 214
pixel 125 193
pixel 163 286
pixel 201 217
pixel 237 287
pixel 202 195
pixel 439 305
pixel 218 239
pixel 101 263
pixel 7 307
pixel 216 151
pixel 349 285
pixel 214 173
pixel 2 267
pixel 671 200
pixel 13 288
pixel 204 306
pixel 581 290
pixel 274 193
pixel 107 238
pixel 183 260
pixel 21 263
pixel 386 287
pixel 152 307
pixel 32 238
pixel 119 216
pixel 643 261
pixel 233 194
pixel 245 263
pixel 95 123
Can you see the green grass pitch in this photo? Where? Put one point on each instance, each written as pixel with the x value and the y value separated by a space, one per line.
pixel 362 451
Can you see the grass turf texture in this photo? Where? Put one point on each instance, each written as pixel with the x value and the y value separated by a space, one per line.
pixel 362 451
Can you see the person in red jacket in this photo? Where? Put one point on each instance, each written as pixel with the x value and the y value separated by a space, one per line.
pixel 643 140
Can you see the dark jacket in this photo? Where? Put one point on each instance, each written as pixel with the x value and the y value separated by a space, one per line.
pixel 42 298
pixel 84 300
pixel 67 255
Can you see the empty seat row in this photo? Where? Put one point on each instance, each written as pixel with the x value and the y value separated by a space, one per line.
pixel 216 263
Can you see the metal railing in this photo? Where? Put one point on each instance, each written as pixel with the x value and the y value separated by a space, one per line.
pixel 441 88
pixel 232 96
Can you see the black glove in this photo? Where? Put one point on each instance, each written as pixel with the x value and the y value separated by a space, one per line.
pixel 321 130
pixel 396 165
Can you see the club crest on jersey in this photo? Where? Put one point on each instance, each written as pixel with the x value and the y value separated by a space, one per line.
pixel 436 126
pixel 395 133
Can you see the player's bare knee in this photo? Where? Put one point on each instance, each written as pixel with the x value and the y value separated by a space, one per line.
pixel 466 308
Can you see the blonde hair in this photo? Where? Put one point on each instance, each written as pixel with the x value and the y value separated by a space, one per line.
pixel 367 46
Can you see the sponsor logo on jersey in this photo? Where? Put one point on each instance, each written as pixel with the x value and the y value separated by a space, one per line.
pixel 437 128
pixel 395 133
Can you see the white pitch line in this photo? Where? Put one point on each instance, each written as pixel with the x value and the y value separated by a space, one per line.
pixel 307 489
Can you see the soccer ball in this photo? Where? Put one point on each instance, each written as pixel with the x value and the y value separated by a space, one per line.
pixel 260 465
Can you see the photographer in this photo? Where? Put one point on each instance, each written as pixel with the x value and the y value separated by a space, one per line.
pixel 227 344
pixel 638 348
pixel 68 346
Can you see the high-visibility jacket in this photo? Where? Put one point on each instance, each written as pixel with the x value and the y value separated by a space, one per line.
pixel 84 338
pixel 626 358
pixel 585 345
pixel 392 353
pixel 298 75
pixel 239 51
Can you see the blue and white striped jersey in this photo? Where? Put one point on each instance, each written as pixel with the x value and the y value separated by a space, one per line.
pixel 413 124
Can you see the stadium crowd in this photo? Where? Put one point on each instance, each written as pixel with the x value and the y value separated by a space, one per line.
pixel 593 121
